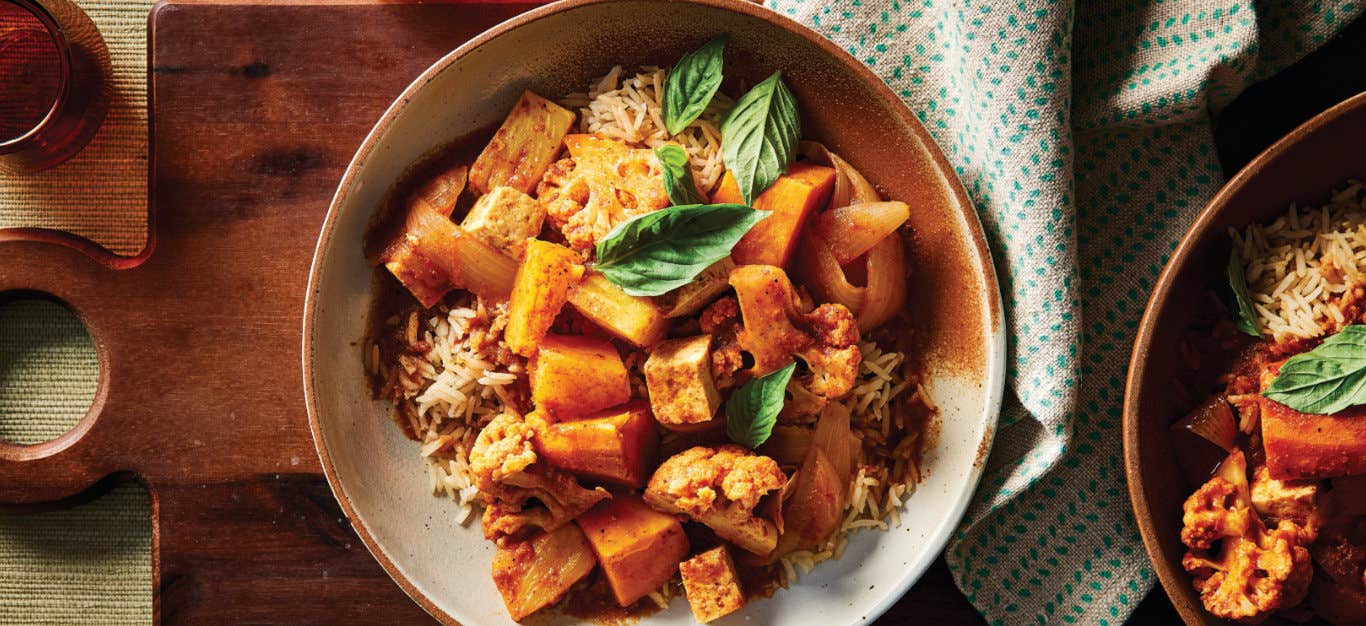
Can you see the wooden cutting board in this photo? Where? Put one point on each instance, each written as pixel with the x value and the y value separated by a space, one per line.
pixel 256 111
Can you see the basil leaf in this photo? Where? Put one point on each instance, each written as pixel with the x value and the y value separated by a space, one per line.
pixel 655 253
pixel 690 85
pixel 1247 316
pixel 1328 378
pixel 677 175
pixel 759 136
pixel 752 411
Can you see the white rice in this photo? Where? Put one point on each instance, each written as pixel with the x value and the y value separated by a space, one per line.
pixel 628 109
pixel 878 493
pixel 449 393
pixel 1301 266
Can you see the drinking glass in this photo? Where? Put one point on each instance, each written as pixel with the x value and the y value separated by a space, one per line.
pixel 54 83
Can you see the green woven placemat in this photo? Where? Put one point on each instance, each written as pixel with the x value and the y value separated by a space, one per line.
pixel 91 564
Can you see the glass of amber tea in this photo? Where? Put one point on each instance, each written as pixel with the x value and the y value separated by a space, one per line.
pixel 54 89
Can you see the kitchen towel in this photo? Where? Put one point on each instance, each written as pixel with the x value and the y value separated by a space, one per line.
pixel 1084 134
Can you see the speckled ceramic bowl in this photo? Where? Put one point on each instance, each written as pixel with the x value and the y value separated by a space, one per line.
pixel 557 49
pixel 1302 168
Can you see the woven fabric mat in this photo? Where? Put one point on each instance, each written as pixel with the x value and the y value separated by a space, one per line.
pixel 91 564
pixel 101 193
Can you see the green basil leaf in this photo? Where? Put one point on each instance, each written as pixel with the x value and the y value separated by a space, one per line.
pixel 655 253
pixel 752 410
pixel 677 175
pixel 1328 378
pixel 1247 316
pixel 759 136
pixel 690 85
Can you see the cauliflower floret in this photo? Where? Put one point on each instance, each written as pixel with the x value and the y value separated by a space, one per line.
pixel 1252 579
pixel 504 463
pixel 602 183
pixel 766 319
pixel 1242 570
pixel 1292 500
pixel 720 487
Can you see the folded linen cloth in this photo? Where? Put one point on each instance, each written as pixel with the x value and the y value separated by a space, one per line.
pixel 1084 134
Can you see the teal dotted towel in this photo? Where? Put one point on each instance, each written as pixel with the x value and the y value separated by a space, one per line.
pixel 1083 133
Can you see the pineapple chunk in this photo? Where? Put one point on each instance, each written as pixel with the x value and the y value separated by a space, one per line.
pixel 423 257
pixel 638 547
pixel 683 394
pixel 539 292
pixel 505 218
pixel 711 584
pixel 633 319
pixel 536 573
pixel 576 375
pixel 523 147
pixel 696 295
pixel 440 193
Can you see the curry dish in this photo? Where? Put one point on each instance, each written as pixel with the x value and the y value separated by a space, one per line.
pixel 1276 530
pixel 656 338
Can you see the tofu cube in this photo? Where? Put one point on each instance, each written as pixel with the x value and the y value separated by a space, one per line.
pixel 638 547
pixel 683 394
pixel 696 295
pixel 505 218
pixel 523 147
pixel 711 585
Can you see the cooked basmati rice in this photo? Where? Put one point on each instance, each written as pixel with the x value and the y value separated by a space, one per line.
pixel 449 394
pixel 1304 267
pixel 629 110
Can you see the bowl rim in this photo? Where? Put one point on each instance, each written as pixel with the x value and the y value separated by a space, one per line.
pixel 1172 579
pixel 993 382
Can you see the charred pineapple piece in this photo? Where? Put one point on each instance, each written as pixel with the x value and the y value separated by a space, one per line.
pixel 631 318
pixel 523 147
pixel 539 292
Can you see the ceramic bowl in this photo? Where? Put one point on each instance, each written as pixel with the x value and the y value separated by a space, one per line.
pixel 1302 168
pixel 557 49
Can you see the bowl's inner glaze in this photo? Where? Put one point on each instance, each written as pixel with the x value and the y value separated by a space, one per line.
pixel 1302 169
pixel 376 472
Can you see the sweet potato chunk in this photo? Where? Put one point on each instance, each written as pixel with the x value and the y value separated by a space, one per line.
pixel 1303 445
pixel 638 547
pixel 505 218
pixel 536 573
pixel 539 292
pixel 711 584
pixel 633 319
pixel 575 376
pixel 523 147
pixel 682 391
pixel 792 199
pixel 617 445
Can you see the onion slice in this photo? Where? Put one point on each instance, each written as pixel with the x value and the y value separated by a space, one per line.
pixel 886 291
pixel 859 189
pixel 823 275
pixel 1212 421
pixel 853 230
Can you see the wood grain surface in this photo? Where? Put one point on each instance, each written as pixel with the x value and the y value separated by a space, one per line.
pixel 256 112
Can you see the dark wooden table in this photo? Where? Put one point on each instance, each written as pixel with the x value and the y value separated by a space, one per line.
pixel 256 123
